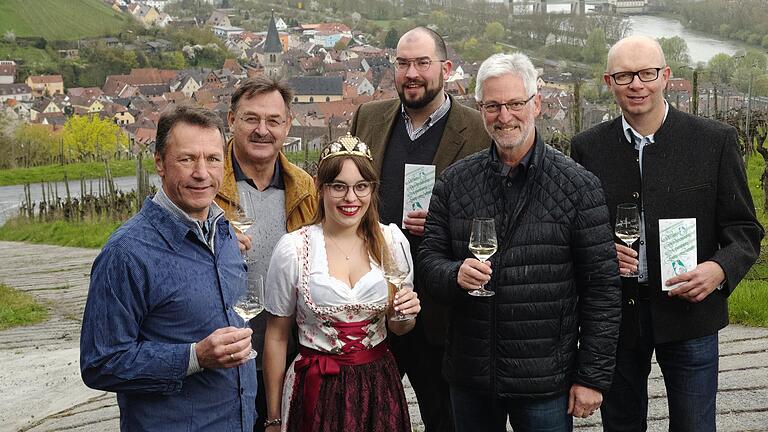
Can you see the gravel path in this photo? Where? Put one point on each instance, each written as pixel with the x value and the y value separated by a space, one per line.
pixel 42 390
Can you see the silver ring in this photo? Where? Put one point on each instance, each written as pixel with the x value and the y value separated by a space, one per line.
pixel 232 357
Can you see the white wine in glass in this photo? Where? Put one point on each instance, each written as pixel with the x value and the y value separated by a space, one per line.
pixel 251 301
pixel 242 224
pixel 245 213
pixel 396 269
pixel 628 227
pixel 482 244
pixel 244 217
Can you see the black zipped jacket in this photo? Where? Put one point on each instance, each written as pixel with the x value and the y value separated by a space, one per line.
pixel 554 320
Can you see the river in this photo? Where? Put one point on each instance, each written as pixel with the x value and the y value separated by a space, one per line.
pixel 701 46
pixel 12 196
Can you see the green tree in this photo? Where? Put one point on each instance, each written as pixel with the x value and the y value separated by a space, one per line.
pixel 440 19
pixel 760 85
pixel 476 50
pixel 721 68
pixel 675 50
pixel 189 8
pixel 748 65
pixel 34 144
pixel 595 49
pixel 725 30
pixel 494 32
pixel 173 60
pixel 390 40
pixel 90 137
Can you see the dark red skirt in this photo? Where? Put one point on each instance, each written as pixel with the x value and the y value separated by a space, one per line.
pixel 361 398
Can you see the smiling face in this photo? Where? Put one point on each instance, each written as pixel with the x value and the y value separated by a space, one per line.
pixel 259 143
pixel 510 129
pixel 349 210
pixel 192 168
pixel 420 89
pixel 638 100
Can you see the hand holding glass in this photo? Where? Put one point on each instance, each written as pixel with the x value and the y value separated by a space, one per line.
pixel 628 227
pixel 396 269
pixel 251 301
pixel 482 244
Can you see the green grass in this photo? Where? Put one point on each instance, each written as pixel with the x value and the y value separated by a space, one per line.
pixel 755 166
pixel 78 234
pixel 59 19
pixel 18 309
pixel 298 157
pixel 748 304
pixel 32 58
pixel 49 173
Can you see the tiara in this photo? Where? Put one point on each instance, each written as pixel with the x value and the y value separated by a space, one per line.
pixel 346 145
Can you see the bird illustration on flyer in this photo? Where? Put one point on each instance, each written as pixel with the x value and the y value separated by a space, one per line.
pixel 677 247
pixel 417 187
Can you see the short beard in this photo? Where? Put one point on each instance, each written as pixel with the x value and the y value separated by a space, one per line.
pixel 507 144
pixel 429 96
pixel 421 102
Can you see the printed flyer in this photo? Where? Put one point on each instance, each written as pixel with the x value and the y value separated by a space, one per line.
pixel 418 184
pixel 677 244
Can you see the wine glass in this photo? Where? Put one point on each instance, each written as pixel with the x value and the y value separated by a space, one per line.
pixel 394 263
pixel 244 216
pixel 251 301
pixel 628 227
pixel 482 244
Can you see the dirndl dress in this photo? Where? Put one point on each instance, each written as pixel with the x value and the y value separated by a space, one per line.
pixel 345 378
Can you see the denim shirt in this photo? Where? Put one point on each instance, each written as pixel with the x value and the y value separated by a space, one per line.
pixel 155 288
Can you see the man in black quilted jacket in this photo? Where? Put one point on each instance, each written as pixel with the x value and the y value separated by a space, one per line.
pixel 540 350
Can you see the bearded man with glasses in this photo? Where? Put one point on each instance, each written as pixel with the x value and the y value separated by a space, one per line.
pixel 283 194
pixel 671 165
pixel 424 126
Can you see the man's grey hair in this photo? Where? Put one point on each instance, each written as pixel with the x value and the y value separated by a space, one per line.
pixel 502 64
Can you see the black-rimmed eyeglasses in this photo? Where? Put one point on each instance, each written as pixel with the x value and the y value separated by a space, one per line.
pixel 626 77
pixel 340 190
pixel 493 107
pixel 421 64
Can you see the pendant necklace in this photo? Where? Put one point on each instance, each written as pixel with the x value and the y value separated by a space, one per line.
pixel 346 255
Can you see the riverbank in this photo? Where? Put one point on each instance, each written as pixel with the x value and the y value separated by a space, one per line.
pixel 73 171
pixel 701 46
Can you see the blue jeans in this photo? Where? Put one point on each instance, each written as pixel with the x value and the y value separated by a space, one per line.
pixel 690 375
pixel 474 411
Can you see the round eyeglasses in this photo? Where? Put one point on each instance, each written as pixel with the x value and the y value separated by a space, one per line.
pixel 626 77
pixel 421 64
pixel 340 190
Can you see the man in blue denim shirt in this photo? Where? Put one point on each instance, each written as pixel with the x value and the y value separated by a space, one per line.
pixel 159 328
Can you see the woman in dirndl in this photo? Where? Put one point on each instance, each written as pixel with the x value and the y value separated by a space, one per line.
pixel 327 278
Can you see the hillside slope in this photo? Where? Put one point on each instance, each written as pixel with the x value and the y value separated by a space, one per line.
pixel 59 19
